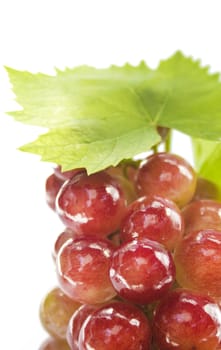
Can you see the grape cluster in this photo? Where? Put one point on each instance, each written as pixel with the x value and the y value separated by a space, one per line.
pixel 139 261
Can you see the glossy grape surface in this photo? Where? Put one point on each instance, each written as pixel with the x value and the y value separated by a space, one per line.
pixel 56 310
pixel 142 271
pixel 52 187
pixel 202 214
pixel 116 326
pixel 155 218
pixel 61 239
pixel 134 235
pixel 76 323
pixel 83 270
pixel 67 175
pixel 185 320
pixel 198 262
pixel 91 205
pixel 167 175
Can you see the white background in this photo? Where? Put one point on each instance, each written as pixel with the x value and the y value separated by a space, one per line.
pixel 37 36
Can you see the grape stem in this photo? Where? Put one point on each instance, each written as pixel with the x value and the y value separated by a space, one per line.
pixel 168 141
pixel 155 149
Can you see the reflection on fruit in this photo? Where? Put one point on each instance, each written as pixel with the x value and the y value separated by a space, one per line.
pixel 117 325
pixel 198 262
pixel 83 270
pixel 167 175
pixel 187 320
pixel 91 205
pixel 138 262
pixel 155 218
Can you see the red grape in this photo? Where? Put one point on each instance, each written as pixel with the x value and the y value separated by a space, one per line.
pixel 153 217
pixel 83 270
pixel 56 310
pixel 198 262
pixel 91 205
pixel 122 226
pixel 55 181
pixel 76 323
pixel 116 326
pixel 202 214
pixel 185 320
pixel 67 175
pixel 61 239
pixel 142 271
pixel 167 175
pixel 52 187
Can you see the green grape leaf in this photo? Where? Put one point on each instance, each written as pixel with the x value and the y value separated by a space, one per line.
pixel 104 150
pixel 98 117
pixel 207 156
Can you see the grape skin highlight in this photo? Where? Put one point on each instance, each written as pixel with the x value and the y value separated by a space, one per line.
pixel 133 236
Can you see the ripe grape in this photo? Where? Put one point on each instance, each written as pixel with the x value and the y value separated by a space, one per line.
pixel 142 271
pixel 167 175
pixel 76 323
pixel 83 270
pixel 67 175
pixel 52 187
pixel 202 214
pixel 116 325
pixel 135 236
pixel 55 311
pixel 153 217
pixel 61 239
pixel 198 262
pixel 54 344
pixel 185 320
pixel 91 205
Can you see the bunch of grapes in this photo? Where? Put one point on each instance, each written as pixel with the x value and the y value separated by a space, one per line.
pixel 139 261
